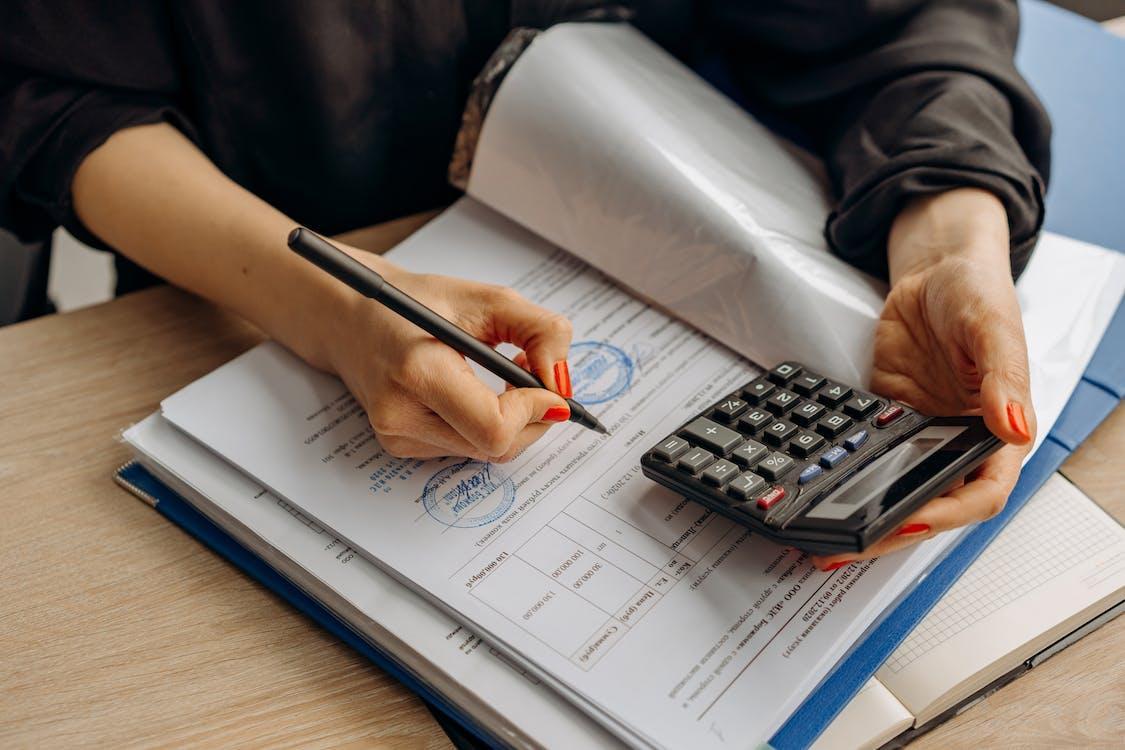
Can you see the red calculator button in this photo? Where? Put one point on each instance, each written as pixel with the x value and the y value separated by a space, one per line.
pixel 888 415
pixel 771 498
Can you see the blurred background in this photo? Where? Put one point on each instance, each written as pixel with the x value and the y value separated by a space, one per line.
pixel 63 274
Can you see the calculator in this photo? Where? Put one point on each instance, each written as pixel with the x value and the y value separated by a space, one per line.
pixel 815 463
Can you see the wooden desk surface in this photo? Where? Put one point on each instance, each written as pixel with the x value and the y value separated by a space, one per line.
pixel 117 628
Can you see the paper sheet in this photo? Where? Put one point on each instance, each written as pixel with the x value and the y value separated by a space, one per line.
pixel 455 652
pixel 606 145
pixel 665 621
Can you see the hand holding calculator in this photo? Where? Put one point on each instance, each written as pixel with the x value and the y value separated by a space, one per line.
pixel 816 463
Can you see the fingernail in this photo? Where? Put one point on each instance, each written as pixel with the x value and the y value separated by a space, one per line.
pixel 1017 420
pixel 562 379
pixel 557 414
pixel 836 566
pixel 910 529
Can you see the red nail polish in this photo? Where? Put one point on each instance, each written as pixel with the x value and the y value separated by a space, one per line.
pixel 562 379
pixel 836 566
pixel 913 528
pixel 557 414
pixel 1017 420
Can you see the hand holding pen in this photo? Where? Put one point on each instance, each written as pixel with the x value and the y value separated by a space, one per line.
pixel 423 399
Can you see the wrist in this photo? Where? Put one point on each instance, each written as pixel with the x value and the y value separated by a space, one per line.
pixel 304 308
pixel 962 225
pixel 332 316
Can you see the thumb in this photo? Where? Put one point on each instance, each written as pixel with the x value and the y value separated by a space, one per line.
pixel 523 406
pixel 1005 387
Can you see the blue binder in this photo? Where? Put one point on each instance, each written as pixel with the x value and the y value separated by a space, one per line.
pixel 1073 65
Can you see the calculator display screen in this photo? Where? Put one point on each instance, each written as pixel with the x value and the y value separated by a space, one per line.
pixel 877 481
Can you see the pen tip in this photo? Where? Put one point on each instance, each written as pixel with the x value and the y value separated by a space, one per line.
pixel 601 428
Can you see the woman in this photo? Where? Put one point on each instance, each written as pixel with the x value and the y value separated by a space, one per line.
pixel 190 137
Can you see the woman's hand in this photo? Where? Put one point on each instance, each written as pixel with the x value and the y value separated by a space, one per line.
pixel 206 233
pixel 950 341
pixel 422 397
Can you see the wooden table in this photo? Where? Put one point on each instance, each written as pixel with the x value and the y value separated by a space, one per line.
pixel 117 628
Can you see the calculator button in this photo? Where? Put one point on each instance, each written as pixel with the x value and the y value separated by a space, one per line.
pixel 746 486
pixel 805 444
pixel 888 415
pixel 807 382
pixel 672 448
pixel 771 498
pixel 749 453
pixel 754 420
pixel 712 435
pixel 730 408
pixel 860 405
pixel 695 460
pixel 775 466
pixel 832 457
pixel 781 402
pixel 778 432
pixel 758 390
pixel 784 372
pixel 832 425
pixel 833 394
pixel 720 472
pixel 809 473
pixel 856 440
pixel 807 412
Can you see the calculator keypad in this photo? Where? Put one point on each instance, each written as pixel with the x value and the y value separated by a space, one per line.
pixel 776 435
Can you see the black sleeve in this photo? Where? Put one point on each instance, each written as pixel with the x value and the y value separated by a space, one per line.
pixel 71 74
pixel 902 98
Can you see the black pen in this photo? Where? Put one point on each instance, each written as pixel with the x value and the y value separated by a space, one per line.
pixel 326 256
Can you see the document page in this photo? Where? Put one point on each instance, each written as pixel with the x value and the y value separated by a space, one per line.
pixel 671 625
pixel 442 651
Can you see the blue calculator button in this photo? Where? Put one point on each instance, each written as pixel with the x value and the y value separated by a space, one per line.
pixel 809 473
pixel 855 440
pixel 832 457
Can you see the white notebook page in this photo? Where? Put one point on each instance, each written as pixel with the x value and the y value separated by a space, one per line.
pixel 1061 554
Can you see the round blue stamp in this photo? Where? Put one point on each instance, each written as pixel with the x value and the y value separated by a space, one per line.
pixel 599 372
pixel 469 494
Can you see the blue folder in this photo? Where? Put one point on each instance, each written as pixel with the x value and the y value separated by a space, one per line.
pixel 1074 66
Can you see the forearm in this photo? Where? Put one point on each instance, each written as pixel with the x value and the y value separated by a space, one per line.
pixel 152 195
pixel 963 223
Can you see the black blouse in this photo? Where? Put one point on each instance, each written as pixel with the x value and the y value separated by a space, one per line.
pixel 343 113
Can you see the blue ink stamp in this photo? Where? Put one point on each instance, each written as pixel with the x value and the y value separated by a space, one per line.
pixel 599 372
pixel 469 494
